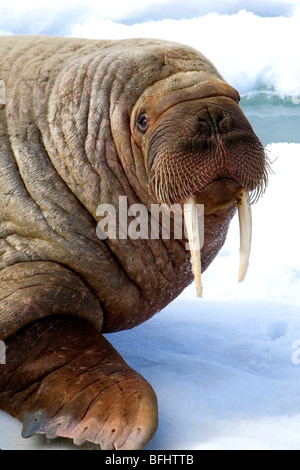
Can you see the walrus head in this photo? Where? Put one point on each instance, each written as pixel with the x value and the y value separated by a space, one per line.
pixel 199 148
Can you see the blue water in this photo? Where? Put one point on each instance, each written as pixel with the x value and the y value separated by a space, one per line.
pixel 274 119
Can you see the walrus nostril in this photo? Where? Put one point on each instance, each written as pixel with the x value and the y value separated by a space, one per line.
pixel 203 125
pixel 219 121
pixel 213 121
pixel 202 120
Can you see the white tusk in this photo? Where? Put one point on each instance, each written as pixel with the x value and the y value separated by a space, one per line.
pixel 192 229
pixel 245 219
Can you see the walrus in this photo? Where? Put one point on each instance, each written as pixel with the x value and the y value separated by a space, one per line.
pixel 84 122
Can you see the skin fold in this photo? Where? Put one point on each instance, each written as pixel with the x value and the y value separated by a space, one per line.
pixel 83 123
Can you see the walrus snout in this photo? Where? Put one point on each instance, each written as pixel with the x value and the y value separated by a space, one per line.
pixel 196 143
pixel 205 151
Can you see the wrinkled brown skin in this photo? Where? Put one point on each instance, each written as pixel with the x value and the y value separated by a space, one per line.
pixel 69 142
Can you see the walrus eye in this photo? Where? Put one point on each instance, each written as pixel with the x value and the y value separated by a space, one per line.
pixel 143 122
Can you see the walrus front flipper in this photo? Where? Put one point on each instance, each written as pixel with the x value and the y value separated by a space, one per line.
pixel 63 378
pixel 36 289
